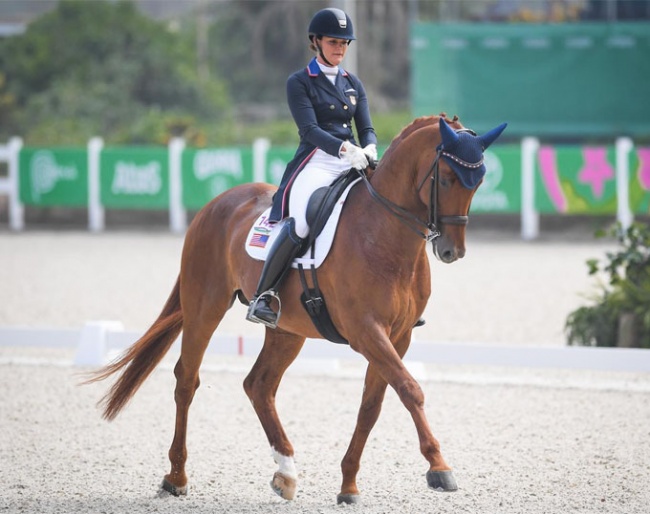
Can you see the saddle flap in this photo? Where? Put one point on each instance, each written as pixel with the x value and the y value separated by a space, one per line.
pixel 323 200
pixel 262 234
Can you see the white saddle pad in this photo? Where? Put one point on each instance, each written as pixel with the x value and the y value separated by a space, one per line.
pixel 262 234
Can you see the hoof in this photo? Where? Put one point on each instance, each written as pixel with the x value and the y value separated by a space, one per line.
pixel 442 481
pixel 168 488
pixel 348 499
pixel 284 486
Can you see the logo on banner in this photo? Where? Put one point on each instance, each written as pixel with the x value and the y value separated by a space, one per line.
pixel 489 197
pixel 218 167
pixel 45 173
pixel 134 179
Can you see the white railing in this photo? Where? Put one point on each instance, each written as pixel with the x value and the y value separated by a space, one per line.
pixel 98 341
pixel 9 185
pixel 9 153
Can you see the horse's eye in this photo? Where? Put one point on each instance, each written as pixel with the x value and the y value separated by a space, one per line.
pixel 446 181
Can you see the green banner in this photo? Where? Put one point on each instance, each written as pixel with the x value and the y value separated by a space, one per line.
pixel 568 179
pixel 500 191
pixel 134 178
pixel 209 172
pixel 277 159
pixel 53 177
pixel 565 79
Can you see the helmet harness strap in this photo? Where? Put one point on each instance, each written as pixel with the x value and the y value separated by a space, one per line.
pixel 316 41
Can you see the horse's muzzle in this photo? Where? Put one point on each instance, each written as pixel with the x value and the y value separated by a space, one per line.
pixel 447 252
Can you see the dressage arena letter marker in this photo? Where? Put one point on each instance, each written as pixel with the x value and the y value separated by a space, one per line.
pixel 92 342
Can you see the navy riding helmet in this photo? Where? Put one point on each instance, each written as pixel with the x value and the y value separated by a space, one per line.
pixel 331 22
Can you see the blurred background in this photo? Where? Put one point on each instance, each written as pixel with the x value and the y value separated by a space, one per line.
pixel 94 94
pixel 572 74
pixel 214 71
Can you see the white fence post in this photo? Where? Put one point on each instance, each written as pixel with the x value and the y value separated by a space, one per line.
pixel 95 207
pixel 260 148
pixel 177 213
pixel 12 184
pixel 529 214
pixel 624 215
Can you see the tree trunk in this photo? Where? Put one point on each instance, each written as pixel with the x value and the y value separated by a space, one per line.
pixel 627 331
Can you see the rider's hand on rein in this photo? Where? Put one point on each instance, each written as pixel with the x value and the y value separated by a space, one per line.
pixel 354 155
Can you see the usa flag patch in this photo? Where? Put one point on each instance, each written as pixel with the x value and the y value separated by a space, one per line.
pixel 259 240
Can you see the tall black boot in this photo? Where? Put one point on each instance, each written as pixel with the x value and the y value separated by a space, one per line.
pixel 285 248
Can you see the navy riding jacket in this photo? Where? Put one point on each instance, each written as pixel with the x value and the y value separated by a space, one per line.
pixel 323 113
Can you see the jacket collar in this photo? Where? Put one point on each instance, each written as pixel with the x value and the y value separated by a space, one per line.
pixel 313 69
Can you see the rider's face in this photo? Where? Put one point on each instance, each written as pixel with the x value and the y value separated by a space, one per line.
pixel 333 49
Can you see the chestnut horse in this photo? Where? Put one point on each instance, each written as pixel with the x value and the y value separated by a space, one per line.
pixel 376 281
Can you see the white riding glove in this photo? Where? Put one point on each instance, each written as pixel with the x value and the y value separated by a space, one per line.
pixel 353 155
pixel 371 151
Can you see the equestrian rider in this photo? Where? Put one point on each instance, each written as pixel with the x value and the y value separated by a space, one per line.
pixel 323 99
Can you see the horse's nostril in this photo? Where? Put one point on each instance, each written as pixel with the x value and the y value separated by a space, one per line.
pixel 448 256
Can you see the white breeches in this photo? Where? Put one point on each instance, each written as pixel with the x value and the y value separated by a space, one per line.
pixel 321 170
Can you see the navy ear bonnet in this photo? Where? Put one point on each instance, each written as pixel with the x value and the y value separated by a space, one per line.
pixel 463 151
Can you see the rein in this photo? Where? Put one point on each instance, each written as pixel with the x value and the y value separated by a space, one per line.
pixel 410 220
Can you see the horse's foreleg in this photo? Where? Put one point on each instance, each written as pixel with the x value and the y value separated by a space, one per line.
pixel 385 357
pixel 279 351
pixel 373 396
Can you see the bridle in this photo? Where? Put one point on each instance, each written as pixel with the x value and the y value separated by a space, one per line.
pixel 434 219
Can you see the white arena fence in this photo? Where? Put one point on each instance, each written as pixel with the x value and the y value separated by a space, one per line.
pixel 99 341
pixel 526 179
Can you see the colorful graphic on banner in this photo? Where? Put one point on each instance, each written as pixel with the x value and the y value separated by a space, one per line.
pixel 640 181
pixel 53 177
pixel 209 172
pixel 134 178
pixel 576 180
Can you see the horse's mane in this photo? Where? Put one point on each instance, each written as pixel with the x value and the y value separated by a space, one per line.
pixel 418 123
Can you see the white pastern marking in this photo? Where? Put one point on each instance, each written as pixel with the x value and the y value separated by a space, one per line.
pixel 286 464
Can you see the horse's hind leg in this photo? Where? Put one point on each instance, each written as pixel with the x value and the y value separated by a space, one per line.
pixel 279 351
pixel 198 327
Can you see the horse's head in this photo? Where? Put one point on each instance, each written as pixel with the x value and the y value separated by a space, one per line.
pixel 444 161
pixel 450 183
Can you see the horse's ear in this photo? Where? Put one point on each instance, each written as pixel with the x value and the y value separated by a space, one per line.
pixel 449 136
pixel 489 137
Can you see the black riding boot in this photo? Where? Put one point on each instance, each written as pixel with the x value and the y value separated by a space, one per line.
pixel 285 248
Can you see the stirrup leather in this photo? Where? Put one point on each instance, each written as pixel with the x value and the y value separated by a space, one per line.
pixel 270 294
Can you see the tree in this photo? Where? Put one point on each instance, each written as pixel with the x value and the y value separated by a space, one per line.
pixel 259 43
pixel 105 66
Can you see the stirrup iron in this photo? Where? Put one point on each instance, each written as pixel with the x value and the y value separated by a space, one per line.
pixel 270 294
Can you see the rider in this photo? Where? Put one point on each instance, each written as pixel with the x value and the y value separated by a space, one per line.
pixel 323 99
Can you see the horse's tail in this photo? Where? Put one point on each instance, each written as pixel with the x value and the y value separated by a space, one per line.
pixel 142 357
